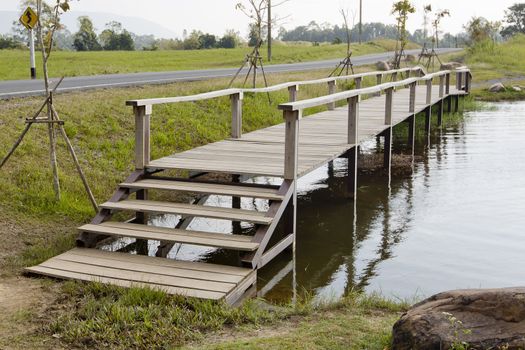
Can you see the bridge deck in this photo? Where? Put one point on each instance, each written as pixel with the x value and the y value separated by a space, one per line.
pixel 322 137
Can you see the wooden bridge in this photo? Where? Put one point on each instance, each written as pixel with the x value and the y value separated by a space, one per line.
pixel 286 151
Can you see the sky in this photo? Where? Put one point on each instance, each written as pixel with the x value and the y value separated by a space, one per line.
pixel 216 16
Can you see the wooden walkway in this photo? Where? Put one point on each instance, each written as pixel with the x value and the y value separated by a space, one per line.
pixel 287 151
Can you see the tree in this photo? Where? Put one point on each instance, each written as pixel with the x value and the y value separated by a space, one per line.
pixel 192 41
pixel 480 29
pixel 436 25
pixel 401 10
pixel 207 41
pixel 515 18
pixel 8 42
pixel 115 38
pixel 86 38
pixel 230 40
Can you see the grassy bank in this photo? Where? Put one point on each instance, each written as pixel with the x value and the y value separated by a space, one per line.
pixel 13 63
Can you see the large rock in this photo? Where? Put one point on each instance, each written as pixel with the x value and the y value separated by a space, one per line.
pixel 498 87
pixel 484 319
pixel 382 65
pixel 517 88
pixel 410 58
pixel 450 65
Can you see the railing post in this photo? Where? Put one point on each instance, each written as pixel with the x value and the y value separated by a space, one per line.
pixel 358 82
pixel 441 99
pixel 353 120
pixel 291 144
pixel 459 80
pixel 468 78
pixel 394 76
pixel 236 106
pixel 447 84
pixel 429 92
pixel 388 106
pixel 379 80
pixel 412 103
pixel 441 86
pixel 331 90
pixel 292 93
pixel 142 136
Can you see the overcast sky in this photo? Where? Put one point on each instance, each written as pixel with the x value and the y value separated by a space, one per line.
pixel 216 16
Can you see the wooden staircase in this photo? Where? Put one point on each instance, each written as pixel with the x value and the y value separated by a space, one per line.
pixel 195 279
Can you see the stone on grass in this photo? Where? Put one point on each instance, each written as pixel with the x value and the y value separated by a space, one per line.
pixel 516 88
pixel 410 58
pixel 382 65
pixel 481 318
pixel 498 87
pixel 450 65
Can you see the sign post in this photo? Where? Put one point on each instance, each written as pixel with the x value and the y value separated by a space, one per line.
pixel 30 19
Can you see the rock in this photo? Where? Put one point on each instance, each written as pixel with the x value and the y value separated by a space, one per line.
pixel 498 87
pixel 410 58
pixel 382 65
pixel 516 88
pixel 483 318
pixel 451 65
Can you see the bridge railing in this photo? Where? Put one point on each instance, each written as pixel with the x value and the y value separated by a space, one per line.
pixel 292 111
pixel 143 108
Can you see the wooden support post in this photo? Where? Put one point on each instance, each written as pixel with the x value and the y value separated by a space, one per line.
pixel 388 132
pixel 387 160
pixel 358 83
pixel 353 139
pixel 441 108
pixel 142 218
pixel 291 144
pixel 293 93
pixel 449 104
pixel 394 76
pixel 468 81
pixel 428 100
pixel 142 136
pixel 236 204
pixel 456 104
pixel 441 100
pixel 388 105
pixel 236 106
pixel 412 118
pixel 428 119
pixel 447 84
pixel 379 79
pixel 331 90
pixel 459 81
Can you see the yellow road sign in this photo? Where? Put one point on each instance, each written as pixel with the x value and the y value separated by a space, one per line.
pixel 29 19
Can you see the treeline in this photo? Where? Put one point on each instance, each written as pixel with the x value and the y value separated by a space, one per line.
pixel 316 33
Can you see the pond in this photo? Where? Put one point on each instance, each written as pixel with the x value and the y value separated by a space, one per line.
pixel 455 221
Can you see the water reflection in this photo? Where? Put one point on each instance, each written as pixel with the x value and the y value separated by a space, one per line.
pixel 455 221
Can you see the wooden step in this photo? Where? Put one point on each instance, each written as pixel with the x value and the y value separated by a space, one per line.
pixel 207 188
pixel 192 279
pixel 209 239
pixel 190 210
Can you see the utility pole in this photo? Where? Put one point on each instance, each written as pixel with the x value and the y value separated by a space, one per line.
pixel 360 21
pixel 269 30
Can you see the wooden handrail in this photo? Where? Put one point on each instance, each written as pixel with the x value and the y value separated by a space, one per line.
pixel 179 99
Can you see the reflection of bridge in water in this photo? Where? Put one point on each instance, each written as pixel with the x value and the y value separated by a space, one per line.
pixel 285 152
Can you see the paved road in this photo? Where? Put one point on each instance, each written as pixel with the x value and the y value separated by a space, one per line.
pixel 23 88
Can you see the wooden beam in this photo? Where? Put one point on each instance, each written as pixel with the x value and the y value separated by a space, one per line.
pixel 276 250
pixel 293 92
pixel 388 106
pixel 291 144
pixel 387 159
pixel 142 136
pixel 331 90
pixel 236 107
pixel 353 120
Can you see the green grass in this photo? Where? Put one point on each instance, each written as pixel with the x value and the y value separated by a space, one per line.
pixel 13 63
pixel 106 316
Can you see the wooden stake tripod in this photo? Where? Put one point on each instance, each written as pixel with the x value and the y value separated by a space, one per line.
pixel 52 120
pixel 255 60
pixel 429 56
pixel 345 64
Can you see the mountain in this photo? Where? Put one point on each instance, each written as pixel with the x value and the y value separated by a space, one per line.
pixel 139 26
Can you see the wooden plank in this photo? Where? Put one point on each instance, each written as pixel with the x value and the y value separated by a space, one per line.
pixel 136 276
pixel 157 270
pixel 240 289
pixel 276 250
pixel 147 260
pixel 208 188
pixel 190 209
pixel 210 239
pixel 124 283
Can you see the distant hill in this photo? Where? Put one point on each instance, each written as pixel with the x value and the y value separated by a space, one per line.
pixel 136 25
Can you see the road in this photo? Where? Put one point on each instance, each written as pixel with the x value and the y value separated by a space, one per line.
pixel 24 88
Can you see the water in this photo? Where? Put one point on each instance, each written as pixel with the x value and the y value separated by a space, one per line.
pixel 455 221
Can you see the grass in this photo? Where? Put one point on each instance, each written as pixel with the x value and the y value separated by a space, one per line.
pixel 13 63
pixel 106 316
